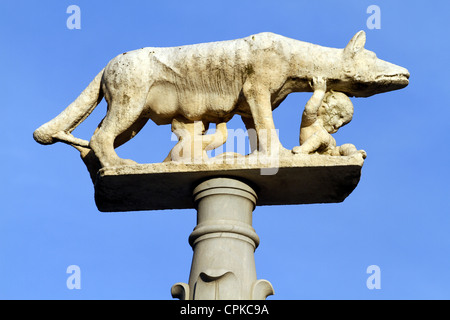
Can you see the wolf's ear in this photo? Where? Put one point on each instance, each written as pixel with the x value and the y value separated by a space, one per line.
pixel 356 43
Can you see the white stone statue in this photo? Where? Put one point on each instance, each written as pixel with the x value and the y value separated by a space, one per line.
pixel 191 87
pixel 324 114
pixel 193 142
pixel 211 83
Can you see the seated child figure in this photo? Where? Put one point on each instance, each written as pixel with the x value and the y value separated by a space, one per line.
pixel 324 114
pixel 193 142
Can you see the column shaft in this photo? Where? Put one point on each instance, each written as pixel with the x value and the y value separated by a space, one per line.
pixel 224 241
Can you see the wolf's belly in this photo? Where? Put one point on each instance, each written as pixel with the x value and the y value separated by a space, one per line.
pixel 166 101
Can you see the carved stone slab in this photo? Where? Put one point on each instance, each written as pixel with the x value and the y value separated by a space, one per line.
pixel 299 179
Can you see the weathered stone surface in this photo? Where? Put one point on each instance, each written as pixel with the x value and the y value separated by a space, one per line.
pixel 192 86
pixel 210 83
pixel 224 242
pixel 299 179
pixel 325 112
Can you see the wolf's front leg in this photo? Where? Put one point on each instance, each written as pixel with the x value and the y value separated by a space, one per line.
pixel 114 124
pixel 261 110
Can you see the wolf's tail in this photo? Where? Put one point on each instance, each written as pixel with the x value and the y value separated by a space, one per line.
pixel 60 127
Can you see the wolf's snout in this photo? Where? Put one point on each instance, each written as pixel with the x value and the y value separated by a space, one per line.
pixel 406 74
pixel 391 70
pixel 402 72
pixel 393 76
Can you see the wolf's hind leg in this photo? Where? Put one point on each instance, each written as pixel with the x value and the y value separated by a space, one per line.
pixel 131 132
pixel 118 121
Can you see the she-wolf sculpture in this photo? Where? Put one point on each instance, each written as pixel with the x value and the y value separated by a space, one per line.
pixel 212 82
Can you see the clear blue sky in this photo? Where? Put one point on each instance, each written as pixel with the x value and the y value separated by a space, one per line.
pixel 397 218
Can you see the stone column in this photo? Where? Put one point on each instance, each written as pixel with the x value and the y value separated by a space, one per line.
pixel 224 241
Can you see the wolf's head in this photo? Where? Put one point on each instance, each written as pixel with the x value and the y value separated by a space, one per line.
pixel 364 74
